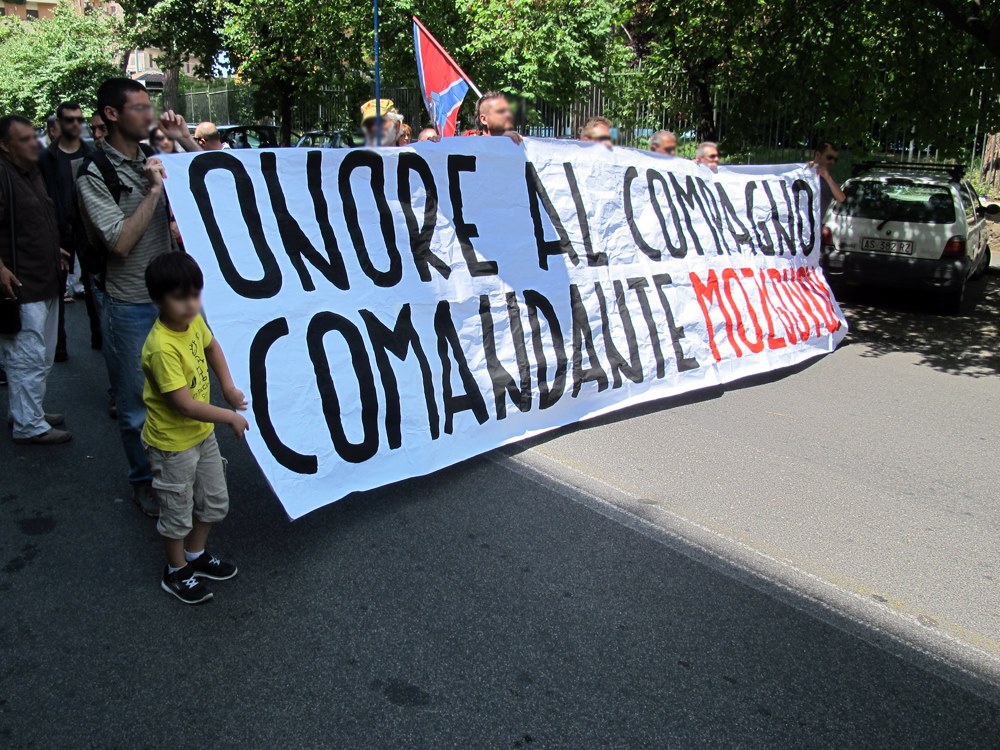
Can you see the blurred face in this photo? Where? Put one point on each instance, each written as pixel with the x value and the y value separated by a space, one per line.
pixel 71 123
pixel 164 144
pixel 599 133
pixel 98 129
pixel 667 146
pixel 827 158
pixel 180 309
pixel 496 116
pixel 390 132
pixel 135 118
pixel 21 146
pixel 427 134
pixel 710 157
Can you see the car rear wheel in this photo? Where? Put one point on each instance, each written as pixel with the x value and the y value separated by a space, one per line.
pixel 987 259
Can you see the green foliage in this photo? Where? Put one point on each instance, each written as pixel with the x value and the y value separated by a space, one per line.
pixel 541 49
pixel 536 50
pixel 178 28
pixel 293 48
pixel 981 185
pixel 47 61
pixel 859 74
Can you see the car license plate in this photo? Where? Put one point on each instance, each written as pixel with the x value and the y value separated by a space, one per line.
pixel 900 247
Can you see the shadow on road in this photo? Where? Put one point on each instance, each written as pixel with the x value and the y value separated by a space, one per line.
pixel 887 321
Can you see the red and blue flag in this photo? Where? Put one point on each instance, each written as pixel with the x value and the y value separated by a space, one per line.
pixel 442 83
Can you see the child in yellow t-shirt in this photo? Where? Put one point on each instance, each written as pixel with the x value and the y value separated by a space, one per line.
pixel 188 471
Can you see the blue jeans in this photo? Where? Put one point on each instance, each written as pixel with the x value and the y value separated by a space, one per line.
pixel 125 326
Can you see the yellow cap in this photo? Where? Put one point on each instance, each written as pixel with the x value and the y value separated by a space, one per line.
pixel 368 109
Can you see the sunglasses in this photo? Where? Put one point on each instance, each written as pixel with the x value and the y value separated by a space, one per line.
pixel 831 159
pixel 70 120
pixel 603 138
pixel 158 138
pixel 711 157
pixel 670 149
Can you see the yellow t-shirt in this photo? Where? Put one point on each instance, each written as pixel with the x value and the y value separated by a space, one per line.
pixel 173 360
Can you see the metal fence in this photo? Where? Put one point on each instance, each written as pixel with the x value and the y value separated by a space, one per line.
pixel 767 126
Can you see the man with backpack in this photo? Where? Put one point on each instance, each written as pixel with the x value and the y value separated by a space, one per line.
pixel 120 188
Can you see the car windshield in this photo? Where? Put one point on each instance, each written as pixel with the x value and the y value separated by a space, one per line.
pixel 322 140
pixel 250 138
pixel 898 200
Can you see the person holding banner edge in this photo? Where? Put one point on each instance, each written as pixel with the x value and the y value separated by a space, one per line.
pixel 124 207
pixel 494 116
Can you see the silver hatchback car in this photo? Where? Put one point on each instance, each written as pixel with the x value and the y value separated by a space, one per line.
pixel 916 226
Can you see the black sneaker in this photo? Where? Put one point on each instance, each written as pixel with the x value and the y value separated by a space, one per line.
pixel 208 565
pixel 3 376
pixel 185 585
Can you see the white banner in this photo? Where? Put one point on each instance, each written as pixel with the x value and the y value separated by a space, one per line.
pixel 391 312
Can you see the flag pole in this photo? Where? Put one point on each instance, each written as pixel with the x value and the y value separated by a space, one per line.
pixel 448 57
pixel 378 99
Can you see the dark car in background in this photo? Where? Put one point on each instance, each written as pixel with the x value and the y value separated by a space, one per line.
pixel 250 136
pixel 326 139
pixel 246 136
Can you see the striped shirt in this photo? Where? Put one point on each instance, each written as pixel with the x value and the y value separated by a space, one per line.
pixel 125 279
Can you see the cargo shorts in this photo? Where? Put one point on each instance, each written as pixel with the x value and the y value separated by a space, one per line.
pixel 189 484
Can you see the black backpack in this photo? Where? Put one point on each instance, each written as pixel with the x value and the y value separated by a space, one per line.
pixel 94 257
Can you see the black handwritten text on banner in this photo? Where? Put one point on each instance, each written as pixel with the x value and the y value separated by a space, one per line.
pixel 393 312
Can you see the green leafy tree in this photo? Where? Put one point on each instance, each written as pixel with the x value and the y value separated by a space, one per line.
pixel 551 50
pixel 179 30
pixel 535 50
pixel 861 73
pixel 49 60
pixel 978 19
pixel 290 49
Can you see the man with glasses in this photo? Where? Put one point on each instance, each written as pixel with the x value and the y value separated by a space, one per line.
pixel 663 142
pixel 707 153
pixel 824 158
pixel 597 130
pixel 207 135
pixel 59 164
pixel 125 211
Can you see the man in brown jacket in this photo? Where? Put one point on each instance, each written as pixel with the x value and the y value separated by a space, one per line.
pixel 28 216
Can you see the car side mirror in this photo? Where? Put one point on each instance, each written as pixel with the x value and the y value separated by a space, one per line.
pixel 992 209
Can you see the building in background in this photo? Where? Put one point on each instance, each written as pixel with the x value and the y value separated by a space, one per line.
pixel 141 65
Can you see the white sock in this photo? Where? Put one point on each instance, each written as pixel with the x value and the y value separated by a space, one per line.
pixel 189 556
pixel 172 570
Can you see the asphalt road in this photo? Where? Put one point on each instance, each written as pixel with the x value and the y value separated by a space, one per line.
pixel 743 569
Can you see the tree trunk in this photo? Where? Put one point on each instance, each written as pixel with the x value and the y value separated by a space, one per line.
pixel 286 116
pixel 990 171
pixel 705 110
pixel 171 87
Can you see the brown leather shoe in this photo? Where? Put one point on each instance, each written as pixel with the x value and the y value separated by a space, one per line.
pixel 52 437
